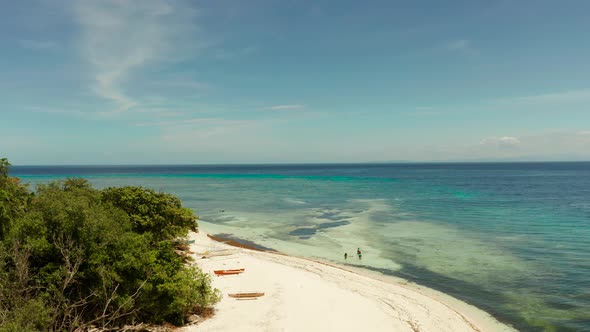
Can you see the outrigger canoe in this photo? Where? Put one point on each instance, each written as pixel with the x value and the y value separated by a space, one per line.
pixel 245 295
pixel 228 272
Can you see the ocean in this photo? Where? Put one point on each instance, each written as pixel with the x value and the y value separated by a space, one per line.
pixel 510 238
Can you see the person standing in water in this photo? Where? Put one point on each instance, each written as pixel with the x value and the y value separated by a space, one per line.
pixel 345 255
pixel 359 253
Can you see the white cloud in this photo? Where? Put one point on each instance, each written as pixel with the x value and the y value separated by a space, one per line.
pixel 37 45
pixel 548 146
pixel 502 142
pixel 120 37
pixel 285 107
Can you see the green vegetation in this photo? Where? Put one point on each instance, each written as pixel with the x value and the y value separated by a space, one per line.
pixel 72 257
pixel 159 214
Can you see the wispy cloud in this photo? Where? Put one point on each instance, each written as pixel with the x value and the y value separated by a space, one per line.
pixel 213 133
pixel 38 45
pixel 228 54
pixel 425 111
pixel 236 138
pixel 120 37
pixel 185 83
pixel 460 46
pixel 582 95
pixel 195 121
pixel 58 111
pixel 160 112
pixel 285 107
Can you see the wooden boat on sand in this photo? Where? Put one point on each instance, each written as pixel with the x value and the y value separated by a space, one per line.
pixel 246 295
pixel 228 272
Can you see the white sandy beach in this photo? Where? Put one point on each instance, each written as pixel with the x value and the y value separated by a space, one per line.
pixel 306 295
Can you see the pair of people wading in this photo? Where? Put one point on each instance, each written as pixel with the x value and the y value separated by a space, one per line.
pixel 358 252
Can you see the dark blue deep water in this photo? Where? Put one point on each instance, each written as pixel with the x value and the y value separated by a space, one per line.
pixel 510 238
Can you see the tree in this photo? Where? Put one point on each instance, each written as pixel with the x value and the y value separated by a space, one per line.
pixel 14 198
pixel 159 214
pixel 75 245
pixel 73 259
pixel 4 164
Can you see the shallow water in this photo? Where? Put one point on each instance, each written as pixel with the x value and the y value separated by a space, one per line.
pixel 511 239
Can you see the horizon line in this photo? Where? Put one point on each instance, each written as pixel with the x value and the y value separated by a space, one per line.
pixel 311 163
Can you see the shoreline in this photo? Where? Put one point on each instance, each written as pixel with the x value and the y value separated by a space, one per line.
pixel 340 296
pixel 239 243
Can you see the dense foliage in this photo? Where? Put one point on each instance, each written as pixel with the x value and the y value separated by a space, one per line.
pixel 13 198
pixel 159 214
pixel 72 257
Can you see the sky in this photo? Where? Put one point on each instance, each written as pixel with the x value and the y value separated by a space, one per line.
pixel 257 81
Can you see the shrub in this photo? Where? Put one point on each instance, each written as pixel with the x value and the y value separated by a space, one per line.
pixel 74 256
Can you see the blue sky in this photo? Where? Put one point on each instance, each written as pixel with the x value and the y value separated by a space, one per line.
pixel 157 82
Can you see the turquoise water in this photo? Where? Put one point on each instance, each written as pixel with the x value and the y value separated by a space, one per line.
pixel 511 239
